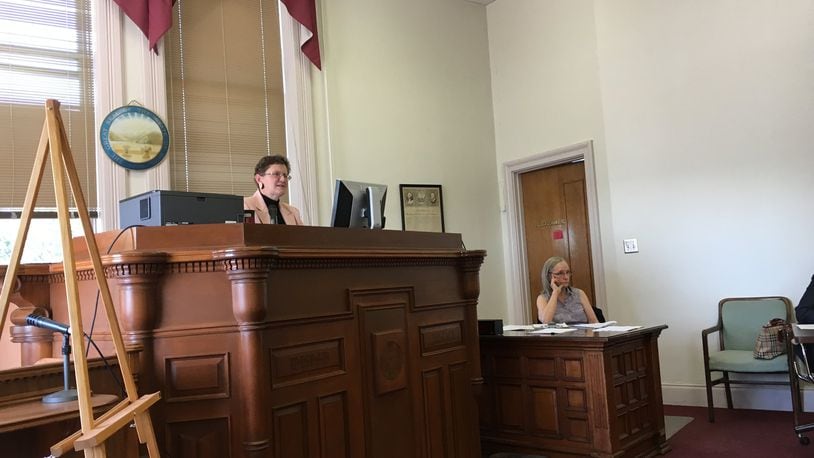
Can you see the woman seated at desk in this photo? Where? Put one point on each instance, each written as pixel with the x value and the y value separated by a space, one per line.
pixel 560 302
pixel 272 175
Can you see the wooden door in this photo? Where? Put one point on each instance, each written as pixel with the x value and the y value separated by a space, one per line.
pixel 555 217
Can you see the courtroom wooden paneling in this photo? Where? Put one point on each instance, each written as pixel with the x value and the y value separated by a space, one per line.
pixel 275 341
pixel 583 393
pixel 28 428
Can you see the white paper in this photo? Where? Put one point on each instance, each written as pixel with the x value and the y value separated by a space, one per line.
pixel 552 330
pixel 517 327
pixel 593 325
pixel 618 328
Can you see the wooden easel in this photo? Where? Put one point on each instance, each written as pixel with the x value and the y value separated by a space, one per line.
pixel 94 432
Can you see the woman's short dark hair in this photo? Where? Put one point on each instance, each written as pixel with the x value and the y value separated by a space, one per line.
pixel 267 161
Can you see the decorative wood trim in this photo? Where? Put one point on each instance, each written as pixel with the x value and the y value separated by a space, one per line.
pixel 194 267
pixel 29 272
pixel 305 362
pixel 132 269
pixel 439 338
pixel 189 437
pixel 216 366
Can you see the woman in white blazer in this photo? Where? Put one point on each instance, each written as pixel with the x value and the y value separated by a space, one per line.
pixel 272 175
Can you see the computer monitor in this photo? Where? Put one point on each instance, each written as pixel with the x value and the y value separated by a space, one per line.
pixel 358 205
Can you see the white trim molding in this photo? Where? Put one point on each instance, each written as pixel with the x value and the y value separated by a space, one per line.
pixel 155 99
pixel 111 185
pixel 112 85
pixel 759 397
pixel 299 118
pixel 520 310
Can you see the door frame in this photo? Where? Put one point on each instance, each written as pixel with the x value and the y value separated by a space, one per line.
pixel 520 308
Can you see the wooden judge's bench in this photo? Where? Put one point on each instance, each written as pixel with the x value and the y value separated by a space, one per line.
pixel 276 341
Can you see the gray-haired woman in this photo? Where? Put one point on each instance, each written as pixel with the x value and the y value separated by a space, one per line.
pixel 560 302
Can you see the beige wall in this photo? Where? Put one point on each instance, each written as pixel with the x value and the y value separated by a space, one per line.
pixel 701 113
pixel 404 98
pixel 546 94
pixel 408 101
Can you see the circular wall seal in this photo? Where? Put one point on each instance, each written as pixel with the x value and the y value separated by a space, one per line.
pixel 134 137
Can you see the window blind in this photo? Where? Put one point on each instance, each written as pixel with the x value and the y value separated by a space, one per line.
pixel 225 91
pixel 46 52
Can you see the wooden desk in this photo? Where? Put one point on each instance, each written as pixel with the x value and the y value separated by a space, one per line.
pixel 28 427
pixel 34 412
pixel 279 341
pixel 582 393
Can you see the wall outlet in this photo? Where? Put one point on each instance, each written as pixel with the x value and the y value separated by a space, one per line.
pixel 631 246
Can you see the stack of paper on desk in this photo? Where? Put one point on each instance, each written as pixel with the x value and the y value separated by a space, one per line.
pixel 618 328
pixel 552 330
pixel 606 326
pixel 517 327
pixel 594 325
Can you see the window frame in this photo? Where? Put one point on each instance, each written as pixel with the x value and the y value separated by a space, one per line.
pixel 121 45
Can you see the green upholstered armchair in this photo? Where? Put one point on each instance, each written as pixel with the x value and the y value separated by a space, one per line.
pixel 740 320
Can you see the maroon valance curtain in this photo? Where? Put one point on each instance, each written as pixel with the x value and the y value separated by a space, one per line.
pixel 305 12
pixel 154 18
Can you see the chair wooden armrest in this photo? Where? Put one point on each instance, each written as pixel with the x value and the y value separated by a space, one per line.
pixel 705 338
pixel 708 331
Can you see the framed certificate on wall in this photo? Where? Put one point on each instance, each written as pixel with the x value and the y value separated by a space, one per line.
pixel 422 207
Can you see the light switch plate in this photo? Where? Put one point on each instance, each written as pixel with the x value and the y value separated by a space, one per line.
pixel 631 246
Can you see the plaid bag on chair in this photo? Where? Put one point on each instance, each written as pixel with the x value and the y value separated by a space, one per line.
pixel 769 343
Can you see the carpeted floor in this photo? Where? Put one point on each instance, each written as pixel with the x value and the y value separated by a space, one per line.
pixel 673 423
pixel 737 433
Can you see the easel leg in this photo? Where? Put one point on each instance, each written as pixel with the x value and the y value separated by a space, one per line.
pixel 53 141
pixel 69 263
pixel 143 424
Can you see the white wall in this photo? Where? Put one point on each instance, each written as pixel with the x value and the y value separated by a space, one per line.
pixel 404 97
pixel 546 90
pixel 701 117
pixel 698 111
pixel 408 101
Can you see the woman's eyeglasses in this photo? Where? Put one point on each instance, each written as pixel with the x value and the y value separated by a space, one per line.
pixel 278 175
pixel 561 274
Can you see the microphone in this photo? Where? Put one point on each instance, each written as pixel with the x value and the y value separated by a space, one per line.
pixel 47 323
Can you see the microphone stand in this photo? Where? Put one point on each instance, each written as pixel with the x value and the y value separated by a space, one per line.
pixel 67 394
